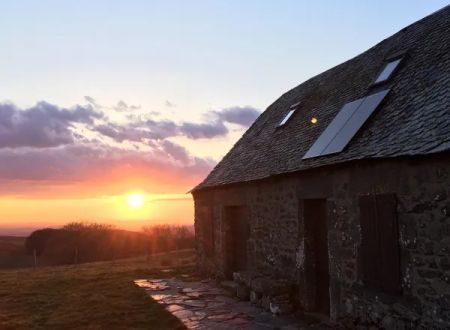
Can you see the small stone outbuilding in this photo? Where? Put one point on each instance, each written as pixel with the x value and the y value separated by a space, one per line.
pixel 341 189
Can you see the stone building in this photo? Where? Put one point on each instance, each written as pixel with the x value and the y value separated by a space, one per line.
pixel 341 189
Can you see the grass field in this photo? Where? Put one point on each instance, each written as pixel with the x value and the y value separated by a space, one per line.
pixel 89 296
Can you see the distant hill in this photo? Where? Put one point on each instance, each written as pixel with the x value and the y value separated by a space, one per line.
pixel 82 242
pixel 12 245
pixel 79 242
pixel 13 254
pixel 18 231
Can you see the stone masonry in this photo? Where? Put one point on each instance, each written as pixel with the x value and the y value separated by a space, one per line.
pixel 276 245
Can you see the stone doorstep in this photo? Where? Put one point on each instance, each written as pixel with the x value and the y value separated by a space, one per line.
pixel 263 284
pixel 270 294
pixel 245 277
pixel 230 286
pixel 275 305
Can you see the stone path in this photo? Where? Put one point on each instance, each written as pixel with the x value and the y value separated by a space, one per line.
pixel 203 305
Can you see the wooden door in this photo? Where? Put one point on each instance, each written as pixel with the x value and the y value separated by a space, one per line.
pixel 316 254
pixel 237 233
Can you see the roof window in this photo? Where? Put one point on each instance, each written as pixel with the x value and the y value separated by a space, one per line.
pixel 388 70
pixel 292 109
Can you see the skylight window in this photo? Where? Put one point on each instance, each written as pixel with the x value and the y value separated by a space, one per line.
pixel 286 118
pixel 292 109
pixel 388 70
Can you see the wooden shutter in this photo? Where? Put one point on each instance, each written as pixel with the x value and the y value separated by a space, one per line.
pixel 389 247
pixel 379 242
pixel 369 241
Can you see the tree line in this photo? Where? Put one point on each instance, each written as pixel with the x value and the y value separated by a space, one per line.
pixel 79 242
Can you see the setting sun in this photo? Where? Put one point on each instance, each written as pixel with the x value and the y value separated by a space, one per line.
pixel 135 200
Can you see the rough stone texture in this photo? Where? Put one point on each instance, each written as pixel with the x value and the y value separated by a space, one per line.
pixel 273 294
pixel 243 292
pixel 230 286
pixel 281 305
pixel 276 247
pixel 255 297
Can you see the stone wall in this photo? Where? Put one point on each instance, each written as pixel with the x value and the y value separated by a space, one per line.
pixel 276 245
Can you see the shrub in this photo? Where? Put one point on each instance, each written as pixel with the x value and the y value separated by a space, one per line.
pixel 84 242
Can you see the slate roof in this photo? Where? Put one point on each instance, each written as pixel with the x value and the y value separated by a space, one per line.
pixel 414 118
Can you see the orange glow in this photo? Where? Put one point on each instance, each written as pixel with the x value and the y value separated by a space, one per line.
pixel 102 194
pixel 115 210
pixel 107 197
pixel 313 120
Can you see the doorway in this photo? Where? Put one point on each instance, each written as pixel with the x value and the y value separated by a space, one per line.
pixel 316 255
pixel 237 233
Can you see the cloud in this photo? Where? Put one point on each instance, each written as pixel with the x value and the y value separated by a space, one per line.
pixel 121 106
pixel 203 131
pixel 47 146
pixel 159 129
pixel 114 169
pixel 147 130
pixel 177 152
pixel 169 104
pixel 43 125
pixel 150 129
pixel 244 116
pixel 90 100
pixel 122 133
pixel 47 125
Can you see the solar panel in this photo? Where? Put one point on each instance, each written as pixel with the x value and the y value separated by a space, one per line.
pixel 333 128
pixel 387 71
pixel 357 120
pixel 345 125
pixel 284 121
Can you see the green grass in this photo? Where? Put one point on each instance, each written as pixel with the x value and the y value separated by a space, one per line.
pixel 89 296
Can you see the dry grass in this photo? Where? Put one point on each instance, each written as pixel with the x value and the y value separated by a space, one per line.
pixel 90 296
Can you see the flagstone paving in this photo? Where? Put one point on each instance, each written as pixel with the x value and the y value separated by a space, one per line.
pixel 203 305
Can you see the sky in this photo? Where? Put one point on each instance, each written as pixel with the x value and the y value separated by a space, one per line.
pixel 100 100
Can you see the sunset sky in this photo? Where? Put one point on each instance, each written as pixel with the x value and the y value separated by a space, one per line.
pixel 100 100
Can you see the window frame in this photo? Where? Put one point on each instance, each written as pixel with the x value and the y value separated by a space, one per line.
pixel 289 115
pixel 400 56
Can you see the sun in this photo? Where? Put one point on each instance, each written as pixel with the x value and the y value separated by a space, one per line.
pixel 135 200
